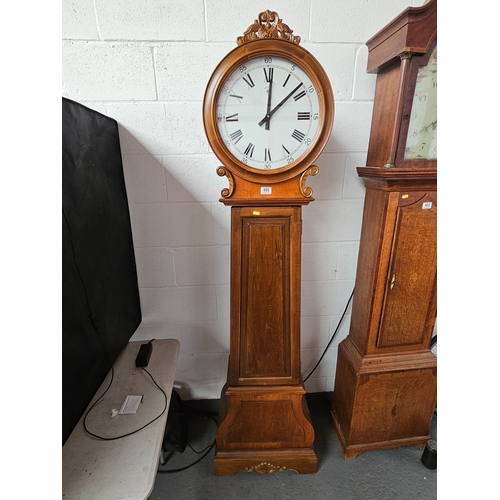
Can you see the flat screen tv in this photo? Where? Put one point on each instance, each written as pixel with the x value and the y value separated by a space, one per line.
pixel 100 295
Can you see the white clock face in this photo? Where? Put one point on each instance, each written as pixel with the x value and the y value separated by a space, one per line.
pixel 268 113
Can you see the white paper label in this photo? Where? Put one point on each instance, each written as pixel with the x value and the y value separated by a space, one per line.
pixel 265 190
pixel 130 405
pixel 426 205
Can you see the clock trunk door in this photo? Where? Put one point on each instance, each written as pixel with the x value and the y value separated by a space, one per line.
pixel 406 319
pixel 265 329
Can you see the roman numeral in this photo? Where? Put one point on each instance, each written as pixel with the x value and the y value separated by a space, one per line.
pixel 303 115
pixel 249 149
pixel 299 95
pixel 249 81
pixel 286 81
pixel 298 135
pixel 239 97
pixel 269 74
pixel 267 154
pixel 236 136
pixel 232 118
pixel 286 150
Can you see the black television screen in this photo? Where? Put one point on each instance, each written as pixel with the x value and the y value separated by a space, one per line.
pixel 100 295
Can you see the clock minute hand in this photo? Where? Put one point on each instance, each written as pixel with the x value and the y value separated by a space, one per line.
pixel 278 106
pixel 268 122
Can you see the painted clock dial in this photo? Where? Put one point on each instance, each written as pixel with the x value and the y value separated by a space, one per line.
pixel 421 141
pixel 268 112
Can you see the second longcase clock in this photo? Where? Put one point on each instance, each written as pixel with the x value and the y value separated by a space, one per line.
pixel 385 384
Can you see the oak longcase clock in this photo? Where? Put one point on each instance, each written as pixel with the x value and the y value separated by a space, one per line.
pixel 268 112
pixel 385 384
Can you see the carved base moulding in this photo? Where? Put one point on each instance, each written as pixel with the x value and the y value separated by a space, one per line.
pixel 264 430
pixel 302 461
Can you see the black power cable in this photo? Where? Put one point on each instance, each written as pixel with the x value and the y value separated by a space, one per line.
pixel 433 341
pixel 172 471
pixel 333 336
pixel 103 438
pixel 205 451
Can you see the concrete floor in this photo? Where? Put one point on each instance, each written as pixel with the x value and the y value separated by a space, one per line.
pixel 387 474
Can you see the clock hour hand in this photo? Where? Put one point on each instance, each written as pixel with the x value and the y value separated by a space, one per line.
pixel 267 118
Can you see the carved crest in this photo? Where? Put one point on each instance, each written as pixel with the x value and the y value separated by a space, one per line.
pixel 269 25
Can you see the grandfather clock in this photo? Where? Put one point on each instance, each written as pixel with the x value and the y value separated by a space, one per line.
pixel 385 384
pixel 268 113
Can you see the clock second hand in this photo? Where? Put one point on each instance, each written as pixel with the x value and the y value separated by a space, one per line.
pixel 267 118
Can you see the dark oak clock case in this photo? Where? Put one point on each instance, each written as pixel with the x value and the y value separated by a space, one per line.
pixel 385 385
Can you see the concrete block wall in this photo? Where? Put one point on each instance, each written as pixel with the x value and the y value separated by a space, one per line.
pixel 146 64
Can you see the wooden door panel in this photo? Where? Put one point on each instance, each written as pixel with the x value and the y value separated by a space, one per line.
pixel 411 278
pixel 265 344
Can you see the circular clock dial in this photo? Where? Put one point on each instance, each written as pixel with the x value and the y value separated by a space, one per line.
pixel 268 112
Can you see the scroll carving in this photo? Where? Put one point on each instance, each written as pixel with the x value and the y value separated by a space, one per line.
pixel 265 468
pixel 269 25
pixel 306 190
pixel 226 192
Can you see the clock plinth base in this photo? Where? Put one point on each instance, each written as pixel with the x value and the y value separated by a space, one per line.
pixel 351 451
pixel 382 401
pixel 264 429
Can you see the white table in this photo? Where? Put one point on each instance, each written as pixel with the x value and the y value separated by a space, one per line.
pixel 124 468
